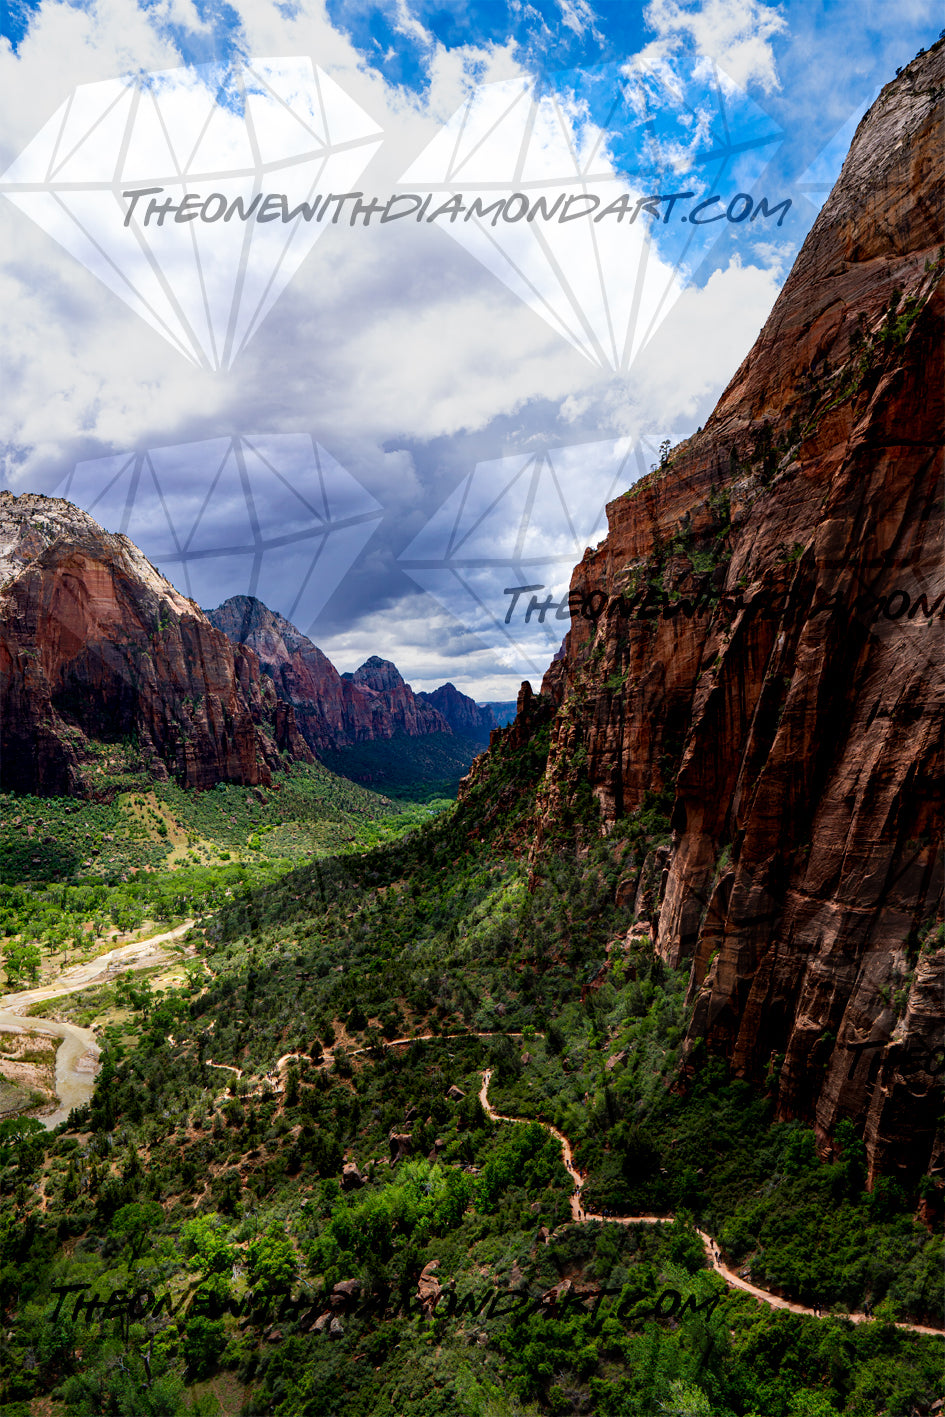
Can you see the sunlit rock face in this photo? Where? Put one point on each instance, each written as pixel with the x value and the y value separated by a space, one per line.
pixel 763 644
pixel 96 645
pixel 333 710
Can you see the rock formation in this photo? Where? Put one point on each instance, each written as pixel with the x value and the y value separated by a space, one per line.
pixel 333 710
pixel 394 702
pixel 462 713
pixel 97 648
pixel 760 654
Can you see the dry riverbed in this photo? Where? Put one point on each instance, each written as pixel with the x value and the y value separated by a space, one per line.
pixel 63 1054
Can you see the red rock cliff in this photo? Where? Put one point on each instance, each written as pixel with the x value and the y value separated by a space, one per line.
pixel 96 645
pixel 765 657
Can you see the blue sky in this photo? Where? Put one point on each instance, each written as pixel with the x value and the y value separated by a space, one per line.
pixel 408 355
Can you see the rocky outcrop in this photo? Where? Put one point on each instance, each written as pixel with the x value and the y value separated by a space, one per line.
pixel 351 1178
pixel 759 657
pixel 462 713
pixel 333 710
pixel 429 1288
pixel 330 711
pixel 395 704
pixel 401 1146
pixel 97 648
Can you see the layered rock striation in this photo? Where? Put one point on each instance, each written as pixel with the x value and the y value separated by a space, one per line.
pixel 96 647
pixel 336 711
pixel 394 704
pixel 760 654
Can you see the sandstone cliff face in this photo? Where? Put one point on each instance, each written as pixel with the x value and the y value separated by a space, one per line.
pixel 96 645
pixel 762 651
pixel 330 711
pixel 333 710
pixel 393 700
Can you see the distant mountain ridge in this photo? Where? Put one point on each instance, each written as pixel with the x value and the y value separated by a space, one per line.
pixel 337 711
pixel 462 713
pixel 107 671
pixel 502 711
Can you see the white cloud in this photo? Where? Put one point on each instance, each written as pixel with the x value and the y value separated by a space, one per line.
pixel 578 17
pixel 428 646
pixel 735 33
pixel 64 46
pixel 407 24
pixel 387 337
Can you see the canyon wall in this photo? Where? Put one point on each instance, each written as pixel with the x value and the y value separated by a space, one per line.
pixel 97 648
pixel 333 710
pixel 759 655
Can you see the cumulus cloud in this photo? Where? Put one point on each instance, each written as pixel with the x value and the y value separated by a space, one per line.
pixel 735 33
pixel 402 355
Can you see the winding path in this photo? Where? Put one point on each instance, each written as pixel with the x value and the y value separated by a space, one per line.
pixel 77 1065
pixel 582 1217
pixel 77 1055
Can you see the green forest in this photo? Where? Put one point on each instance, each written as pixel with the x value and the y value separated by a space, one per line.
pixel 72 871
pixel 286 1198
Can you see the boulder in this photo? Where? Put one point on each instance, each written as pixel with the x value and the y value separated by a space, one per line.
pixel 401 1144
pixel 428 1288
pixel 344 1294
pixel 351 1178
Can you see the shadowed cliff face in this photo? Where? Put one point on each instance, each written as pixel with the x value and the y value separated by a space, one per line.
pixel 96 645
pixel 763 646
pixel 461 712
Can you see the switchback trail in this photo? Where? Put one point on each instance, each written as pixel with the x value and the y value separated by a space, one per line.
pixel 582 1217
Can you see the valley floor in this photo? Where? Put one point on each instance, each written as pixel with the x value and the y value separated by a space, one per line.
pixel 348 1117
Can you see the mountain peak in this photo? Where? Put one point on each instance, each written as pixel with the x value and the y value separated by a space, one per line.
pixel 462 713
pixel 333 710
pixel 379 674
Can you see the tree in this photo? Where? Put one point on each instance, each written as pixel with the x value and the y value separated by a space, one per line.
pixel 20 1141
pixel 21 961
pixel 203 1342
pixel 204 1243
pixel 810 1403
pixel 272 1263
pixel 133 1225
pixel 686 1400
